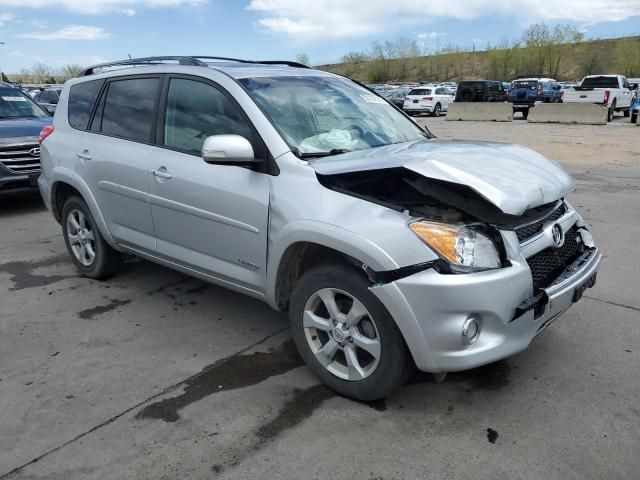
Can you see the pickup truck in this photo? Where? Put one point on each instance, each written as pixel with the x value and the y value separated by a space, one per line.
pixel 613 91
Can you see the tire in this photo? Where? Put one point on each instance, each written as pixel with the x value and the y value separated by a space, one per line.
pixel 634 118
pixel 611 111
pixel 525 113
pixel 79 226
pixel 627 113
pixel 437 110
pixel 374 378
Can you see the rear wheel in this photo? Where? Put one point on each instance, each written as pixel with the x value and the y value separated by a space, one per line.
pixel 437 110
pixel 611 112
pixel 525 113
pixel 346 335
pixel 91 254
pixel 634 118
pixel 627 113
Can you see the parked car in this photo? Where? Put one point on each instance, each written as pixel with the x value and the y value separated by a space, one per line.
pixel 48 98
pixel 432 100
pixel 398 96
pixel 388 248
pixel 480 91
pixel 524 93
pixel 613 91
pixel 21 121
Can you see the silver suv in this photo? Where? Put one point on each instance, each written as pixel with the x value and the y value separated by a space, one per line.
pixel 389 249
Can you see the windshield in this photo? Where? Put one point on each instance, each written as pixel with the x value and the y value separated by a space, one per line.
pixel 600 82
pixel 15 104
pixel 323 115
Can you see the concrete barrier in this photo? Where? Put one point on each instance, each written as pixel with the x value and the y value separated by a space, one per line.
pixel 480 111
pixel 576 113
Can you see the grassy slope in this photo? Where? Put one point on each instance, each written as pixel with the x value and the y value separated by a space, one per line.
pixel 475 65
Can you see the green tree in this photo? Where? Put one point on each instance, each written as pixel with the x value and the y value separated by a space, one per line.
pixel 303 58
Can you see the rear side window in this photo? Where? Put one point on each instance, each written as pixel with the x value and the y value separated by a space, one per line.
pixel 129 107
pixel 600 82
pixel 196 110
pixel 81 99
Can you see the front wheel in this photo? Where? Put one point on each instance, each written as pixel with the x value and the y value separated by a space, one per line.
pixel 88 249
pixel 346 335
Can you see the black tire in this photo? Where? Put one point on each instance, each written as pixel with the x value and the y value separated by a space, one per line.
pixel 611 111
pixel 634 118
pixel 394 365
pixel 436 110
pixel 525 113
pixel 106 260
pixel 627 113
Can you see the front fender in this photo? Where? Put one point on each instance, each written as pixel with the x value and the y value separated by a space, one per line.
pixel 327 235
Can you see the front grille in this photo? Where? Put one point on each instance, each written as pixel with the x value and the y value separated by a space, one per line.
pixel 21 158
pixel 529 231
pixel 551 262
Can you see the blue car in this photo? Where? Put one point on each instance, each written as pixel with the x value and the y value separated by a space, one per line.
pixel 634 109
pixel 525 92
pixel 21 121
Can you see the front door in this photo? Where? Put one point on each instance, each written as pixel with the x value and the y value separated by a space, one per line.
pixel 211 218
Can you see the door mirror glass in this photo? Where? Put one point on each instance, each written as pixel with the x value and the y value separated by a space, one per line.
pixel 227 149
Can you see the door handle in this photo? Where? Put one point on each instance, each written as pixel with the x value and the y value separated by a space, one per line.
pixel 162 173
pixel 85 155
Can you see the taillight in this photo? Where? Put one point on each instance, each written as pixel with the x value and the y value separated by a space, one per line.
pixel 607 93
pixel 427 98
pixel 45 132
pixel 540 92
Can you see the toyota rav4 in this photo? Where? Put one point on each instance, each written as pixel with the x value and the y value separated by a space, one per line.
pixel 389 248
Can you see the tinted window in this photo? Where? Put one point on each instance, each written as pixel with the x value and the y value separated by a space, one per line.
pixel 420 91
pixel 81 99
pixel 128 108
pixel 196 111
pixel 531 84
pixel 600 82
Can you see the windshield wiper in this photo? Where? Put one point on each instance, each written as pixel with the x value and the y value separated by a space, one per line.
pixel 335 151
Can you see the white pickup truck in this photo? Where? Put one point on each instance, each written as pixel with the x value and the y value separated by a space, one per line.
pixel 614 91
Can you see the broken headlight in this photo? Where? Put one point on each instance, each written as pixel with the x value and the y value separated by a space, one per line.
pixel 461 245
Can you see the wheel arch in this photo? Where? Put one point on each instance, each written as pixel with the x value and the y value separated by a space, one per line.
pixel 67 183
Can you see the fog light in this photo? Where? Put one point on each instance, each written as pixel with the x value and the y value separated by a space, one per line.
pixel 470 331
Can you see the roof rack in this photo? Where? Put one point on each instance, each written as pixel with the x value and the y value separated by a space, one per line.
pixel 194 61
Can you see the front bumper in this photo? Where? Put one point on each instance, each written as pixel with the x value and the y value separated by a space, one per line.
pixel 12 184
pixel 430 310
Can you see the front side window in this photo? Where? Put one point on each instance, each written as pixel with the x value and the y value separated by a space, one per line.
pixel 195 111
pixel 81 100
pixel 128 108
pixel 318 115
pixel 15 104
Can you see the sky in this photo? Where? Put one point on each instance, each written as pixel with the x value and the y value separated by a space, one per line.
pixel 59 32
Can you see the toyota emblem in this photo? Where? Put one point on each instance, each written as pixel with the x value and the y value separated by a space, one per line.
pixel 34 152
pixel 558 235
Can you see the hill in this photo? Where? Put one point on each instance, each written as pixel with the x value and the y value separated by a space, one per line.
pixel 564 61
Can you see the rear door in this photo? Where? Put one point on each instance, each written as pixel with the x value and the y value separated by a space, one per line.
pixel 443 97
pixel 210 218
pixel 113 157
pixel 627 94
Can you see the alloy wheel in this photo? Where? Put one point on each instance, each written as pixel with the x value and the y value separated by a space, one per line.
pixel 81 238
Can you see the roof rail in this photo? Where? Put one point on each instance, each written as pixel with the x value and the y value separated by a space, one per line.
pixel 258 62
pixel 195 61
pixel 145 61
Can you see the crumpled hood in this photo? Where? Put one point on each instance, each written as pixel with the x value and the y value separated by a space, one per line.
pixel 22 130
pixel 512 177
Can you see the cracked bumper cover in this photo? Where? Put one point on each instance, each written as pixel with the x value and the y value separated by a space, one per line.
pixel 430 310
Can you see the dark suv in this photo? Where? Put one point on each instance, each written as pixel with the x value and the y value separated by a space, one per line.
pixel 525 92
pixel 21 121
pixel 481 91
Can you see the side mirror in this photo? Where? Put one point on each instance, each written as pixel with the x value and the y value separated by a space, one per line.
pixel 227 150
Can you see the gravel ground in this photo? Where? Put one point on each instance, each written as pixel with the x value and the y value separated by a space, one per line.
pixel 156 375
